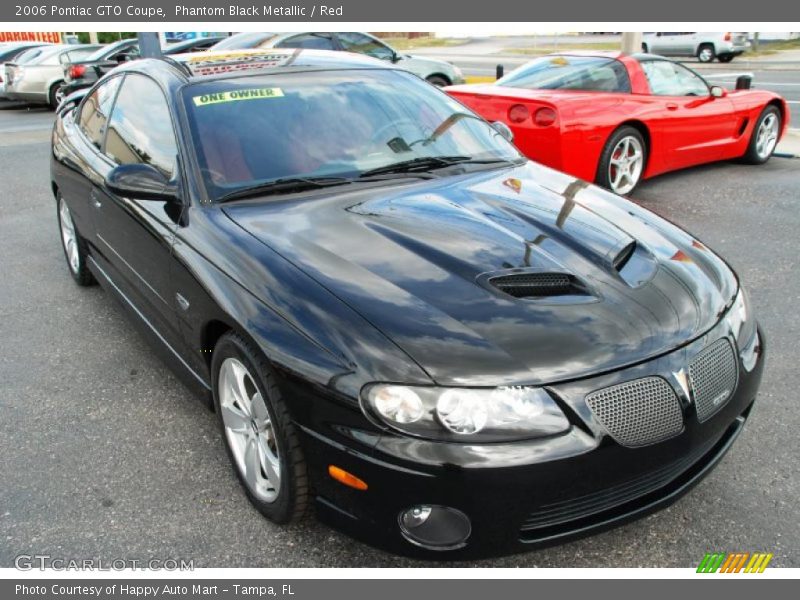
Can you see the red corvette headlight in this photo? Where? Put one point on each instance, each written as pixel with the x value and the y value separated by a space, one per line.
pixel 518 113
pixel 544 117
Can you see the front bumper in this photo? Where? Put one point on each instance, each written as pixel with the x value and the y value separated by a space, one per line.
pixel 527 494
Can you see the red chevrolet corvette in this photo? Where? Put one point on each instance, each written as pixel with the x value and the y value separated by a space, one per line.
pixel 616 119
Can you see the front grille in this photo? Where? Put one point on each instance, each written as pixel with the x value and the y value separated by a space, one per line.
pixel 714 375
pixel 572 509
pixel 639 412
pixel 538 285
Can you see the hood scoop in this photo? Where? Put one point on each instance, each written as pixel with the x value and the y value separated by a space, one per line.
pixel 538 285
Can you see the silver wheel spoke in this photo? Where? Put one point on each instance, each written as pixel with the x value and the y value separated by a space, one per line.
pixel 252 463
pixel 270 464
pixel 235 419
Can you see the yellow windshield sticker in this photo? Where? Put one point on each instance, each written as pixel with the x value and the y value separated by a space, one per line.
pixel 236 95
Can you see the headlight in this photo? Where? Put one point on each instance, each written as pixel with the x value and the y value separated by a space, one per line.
pixel 465 414
pixel 741 320
pixel 458 72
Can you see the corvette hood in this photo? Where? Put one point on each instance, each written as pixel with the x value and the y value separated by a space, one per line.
pixel 423 262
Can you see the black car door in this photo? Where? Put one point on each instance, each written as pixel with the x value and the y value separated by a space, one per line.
pixel 134 237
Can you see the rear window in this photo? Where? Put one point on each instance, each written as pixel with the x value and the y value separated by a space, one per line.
pixel 584 73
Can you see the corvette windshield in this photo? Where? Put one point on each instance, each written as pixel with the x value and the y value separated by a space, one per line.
pixel 334 125
pixel 585 73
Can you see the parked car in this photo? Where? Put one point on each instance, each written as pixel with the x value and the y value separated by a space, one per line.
pixel 84 73
pixel 437 72
pixel 447 349
pixel 9 51
pixel 705 45
pixel 616 119
pixel 37 75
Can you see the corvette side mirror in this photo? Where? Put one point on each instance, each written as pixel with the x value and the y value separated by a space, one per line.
pixel 141 181
pixel 718 92
pixel 504 130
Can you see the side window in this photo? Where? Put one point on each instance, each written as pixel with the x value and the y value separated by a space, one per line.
pixel 314 41
pixel 140 129
pixel 95 110
pixel 363 44
pixel 671 79
pixel 125 54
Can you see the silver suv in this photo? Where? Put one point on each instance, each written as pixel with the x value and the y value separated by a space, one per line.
pixel 706 46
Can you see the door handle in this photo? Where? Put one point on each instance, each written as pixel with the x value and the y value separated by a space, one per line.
pixel 672 106
pixel 95 198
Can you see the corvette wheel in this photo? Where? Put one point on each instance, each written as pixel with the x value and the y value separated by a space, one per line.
pixel 706 53
pixel 765 136
pixel 260 438
pixel 622 162
pixel 73 244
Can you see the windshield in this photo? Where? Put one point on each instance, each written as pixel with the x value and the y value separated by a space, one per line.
pixel 242 41
pixel 585 73
pixel 345 124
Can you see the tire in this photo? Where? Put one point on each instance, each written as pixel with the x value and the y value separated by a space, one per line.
pixel 438 80
pixel 267 436
pixel 55 95
pixel 612 156
pixel 706 53
pixel 725 58
pixel 644 48
pixel 768 124
pixel 74 246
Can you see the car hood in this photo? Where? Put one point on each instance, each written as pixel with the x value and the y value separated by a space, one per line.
pixel 415 260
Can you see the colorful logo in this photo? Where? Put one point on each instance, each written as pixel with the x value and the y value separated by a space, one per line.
pixel 735 562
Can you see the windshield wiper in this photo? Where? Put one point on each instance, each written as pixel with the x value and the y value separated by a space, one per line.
pixel 432 162
pixel 420 162
pixel 284 185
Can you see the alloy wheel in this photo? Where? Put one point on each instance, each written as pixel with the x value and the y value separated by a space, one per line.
pixel 706 54
pixel 625 166
pixel 767 136
pixel 249 430
pixel 68 236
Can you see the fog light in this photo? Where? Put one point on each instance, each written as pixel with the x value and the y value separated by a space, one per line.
pixel 435 527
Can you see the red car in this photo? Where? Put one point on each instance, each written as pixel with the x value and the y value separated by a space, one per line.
pixel 616 119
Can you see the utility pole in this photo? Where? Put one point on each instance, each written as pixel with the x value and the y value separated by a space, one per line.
pixel 755 42
pixel 631 42
pixel 149 44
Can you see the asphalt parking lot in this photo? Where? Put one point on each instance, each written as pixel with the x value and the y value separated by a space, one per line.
pixel 106 455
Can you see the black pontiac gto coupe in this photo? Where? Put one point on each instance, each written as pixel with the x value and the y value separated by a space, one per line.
pixel 448 350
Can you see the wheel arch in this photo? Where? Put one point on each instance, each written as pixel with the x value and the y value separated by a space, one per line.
pixel 780 104
pixel 642 128
pixel 441 75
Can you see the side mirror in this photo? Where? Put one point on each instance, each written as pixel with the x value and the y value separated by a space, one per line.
pixel 504 130
pixel 718 92
pixel 141 181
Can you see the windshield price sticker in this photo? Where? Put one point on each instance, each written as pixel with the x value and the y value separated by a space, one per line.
pixel 237 95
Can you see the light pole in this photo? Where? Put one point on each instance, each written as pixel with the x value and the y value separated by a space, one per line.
pixel 631 42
